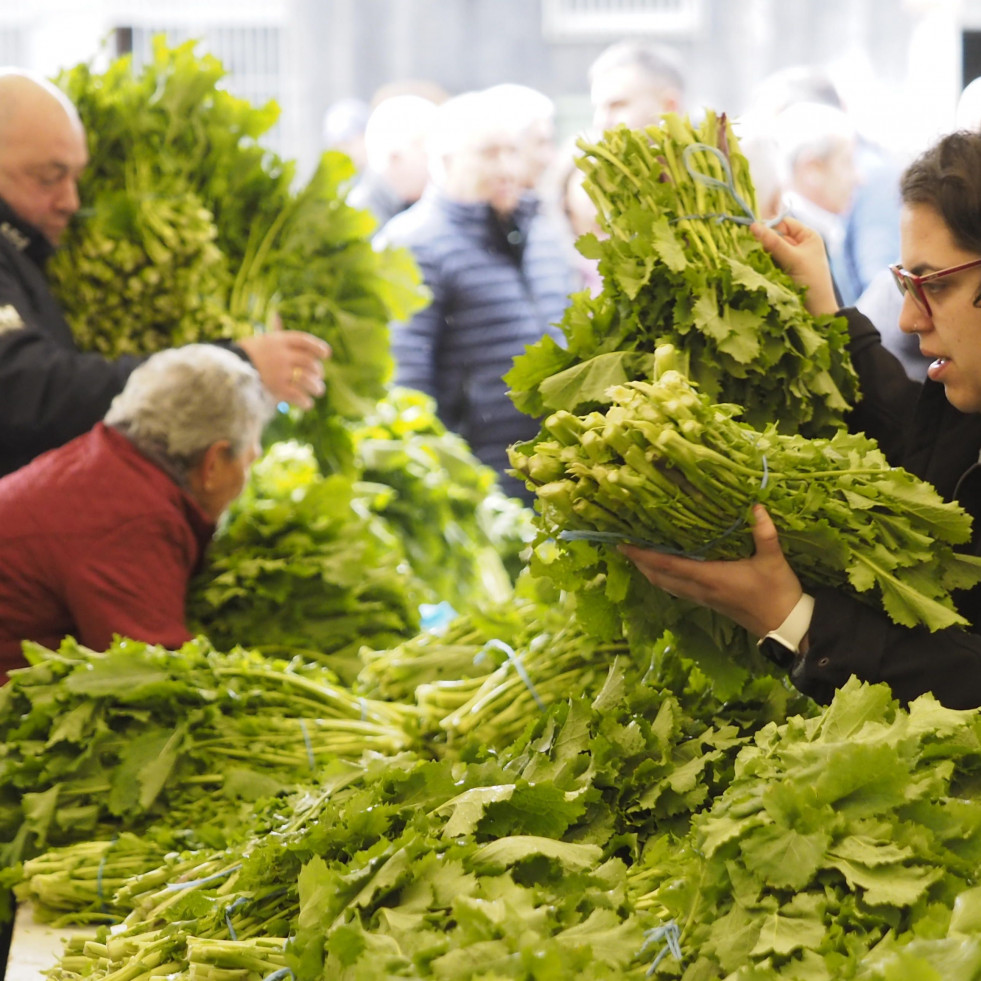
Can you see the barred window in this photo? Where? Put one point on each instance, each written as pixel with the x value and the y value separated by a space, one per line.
pixel 247 36
pixel 583 19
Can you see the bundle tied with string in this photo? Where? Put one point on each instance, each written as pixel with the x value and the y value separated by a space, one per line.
pixel 664 467
pixel 728 184
pixel 679 265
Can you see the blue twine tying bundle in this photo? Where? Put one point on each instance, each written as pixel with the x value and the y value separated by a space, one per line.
pixel 515 661
pixel 306 742
pixel 670 936
pixel 729 184
pixel 98 876
pixel 241 901
pixel 700 554
pixel 280 975
pixel 217 877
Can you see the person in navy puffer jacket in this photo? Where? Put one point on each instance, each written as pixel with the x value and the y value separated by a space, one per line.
pixel 497 271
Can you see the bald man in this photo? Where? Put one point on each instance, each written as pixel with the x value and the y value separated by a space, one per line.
pixel 51 392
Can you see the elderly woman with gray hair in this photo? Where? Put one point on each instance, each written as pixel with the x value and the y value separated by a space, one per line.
pixel 101 536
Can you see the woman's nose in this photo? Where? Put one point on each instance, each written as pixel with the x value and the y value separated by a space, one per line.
pixel 912 319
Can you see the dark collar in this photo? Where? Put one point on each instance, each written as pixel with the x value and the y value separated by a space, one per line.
pixel 24 237
pixel 481 212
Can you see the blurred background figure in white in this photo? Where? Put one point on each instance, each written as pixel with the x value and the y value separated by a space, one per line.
pixel 396 156
pixel 759 146
pixel 567 201
pixel 635 83
pixel 533 116
pixel 343 128
pixel 817 145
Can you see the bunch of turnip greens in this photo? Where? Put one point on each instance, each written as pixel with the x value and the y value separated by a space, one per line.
pixel 677 268
pixel 303 568
pixel 97 742
pixel 519 684
pixel 664 466
pixel 470 646
pixel 847 845
pixel 462 535
pixel 77 883
pixel 191 230
pixel 489 674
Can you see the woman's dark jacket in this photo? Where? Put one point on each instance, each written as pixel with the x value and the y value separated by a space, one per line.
pixel 918 429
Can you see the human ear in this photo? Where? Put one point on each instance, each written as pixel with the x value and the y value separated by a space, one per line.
pixel 211 463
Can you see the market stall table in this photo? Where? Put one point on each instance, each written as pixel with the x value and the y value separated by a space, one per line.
pixel 35 947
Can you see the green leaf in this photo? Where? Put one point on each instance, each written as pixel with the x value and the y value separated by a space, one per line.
pixel 795 926
pixel 504 852
pixel 783 857
pixel 887 885
pixel 145 767
pixel 590 381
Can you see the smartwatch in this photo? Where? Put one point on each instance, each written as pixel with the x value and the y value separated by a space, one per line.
pixel 783 644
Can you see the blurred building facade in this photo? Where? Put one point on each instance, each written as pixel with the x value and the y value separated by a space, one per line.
pixel 899 63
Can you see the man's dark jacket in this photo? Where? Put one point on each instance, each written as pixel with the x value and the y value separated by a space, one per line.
pixel 50 392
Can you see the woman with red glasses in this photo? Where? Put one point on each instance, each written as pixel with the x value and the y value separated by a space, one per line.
pixel 932 429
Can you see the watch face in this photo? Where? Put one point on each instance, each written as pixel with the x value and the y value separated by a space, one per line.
pixel 776 652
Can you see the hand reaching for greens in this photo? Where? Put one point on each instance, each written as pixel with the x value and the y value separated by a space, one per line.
pixel 757 593
pixel 800 252
pixel 290 363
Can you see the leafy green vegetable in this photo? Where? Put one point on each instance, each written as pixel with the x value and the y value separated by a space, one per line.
pixel 300 569
pixel 675 270
pixel 138 734
pixel 462 536
pixel 199 234
pixel 665 467
pixel 838 850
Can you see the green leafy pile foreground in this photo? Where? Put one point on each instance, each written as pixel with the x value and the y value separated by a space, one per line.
pixel 637 828
pixel 139 736
pixel 846 845
pixel 409 863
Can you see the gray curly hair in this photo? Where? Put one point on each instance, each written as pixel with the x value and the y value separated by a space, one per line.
pixel 180 401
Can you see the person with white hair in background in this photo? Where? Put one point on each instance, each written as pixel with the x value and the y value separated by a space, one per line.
pixel 635 83
pixel 759 146
pixel 496 271
pixel 343 128
pixel 396 160
pixel 817 145
pixel 533 116
pixel 100 536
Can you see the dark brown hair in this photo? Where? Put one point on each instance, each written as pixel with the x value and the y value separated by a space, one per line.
pixel 947 178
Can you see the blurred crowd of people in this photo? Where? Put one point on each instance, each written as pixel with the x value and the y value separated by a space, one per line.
pixel 486 192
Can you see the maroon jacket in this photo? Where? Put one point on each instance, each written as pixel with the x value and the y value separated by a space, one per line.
pixel 95 540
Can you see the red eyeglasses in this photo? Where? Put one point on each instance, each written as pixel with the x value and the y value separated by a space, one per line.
pixel 913 285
